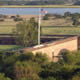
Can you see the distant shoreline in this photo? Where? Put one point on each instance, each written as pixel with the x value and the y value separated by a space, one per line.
pixel 39 6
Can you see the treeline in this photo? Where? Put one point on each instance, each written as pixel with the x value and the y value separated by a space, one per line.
pixel 15 66
pixel 37 2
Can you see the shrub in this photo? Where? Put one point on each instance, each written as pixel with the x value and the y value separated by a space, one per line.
pixel 18 19
pixel 46 17
pixel 2 77
pixel 1 19
pixel 13 17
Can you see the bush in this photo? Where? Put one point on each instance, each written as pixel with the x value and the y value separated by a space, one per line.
pixel 2 77
pixel 18 19
pixel 13 17
pixel 1 19
pixel 58 16
pixel 46 17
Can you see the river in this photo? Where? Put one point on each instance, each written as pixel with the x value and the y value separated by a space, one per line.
pixel 35 11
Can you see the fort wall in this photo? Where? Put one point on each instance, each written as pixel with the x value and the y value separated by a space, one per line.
pixel 54 48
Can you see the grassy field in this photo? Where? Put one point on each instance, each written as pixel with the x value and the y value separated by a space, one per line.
pixel 9 47
pixel 7 26
pixel 64 27
pixel 37 6
pixel 61 30
pixel 48 30
pixel 6 30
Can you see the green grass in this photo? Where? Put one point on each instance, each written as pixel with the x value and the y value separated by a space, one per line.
pixel 61 30
pixel 9 47
pixel 47 30
pixel 6 30
pixel 7 26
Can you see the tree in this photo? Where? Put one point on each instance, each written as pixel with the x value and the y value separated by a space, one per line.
pixel 76 22
pixel 75 19
pixel 67 14
pixel 27 33
pixel 7 65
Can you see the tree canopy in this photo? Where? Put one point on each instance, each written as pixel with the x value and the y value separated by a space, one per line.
pixel 37 67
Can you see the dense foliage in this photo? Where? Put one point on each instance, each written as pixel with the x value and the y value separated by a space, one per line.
pixel 37 67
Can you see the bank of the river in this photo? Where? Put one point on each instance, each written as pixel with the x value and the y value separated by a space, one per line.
pixel 37 6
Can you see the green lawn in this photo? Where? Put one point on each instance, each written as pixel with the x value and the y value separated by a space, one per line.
pixel 9 47
pixel 61 30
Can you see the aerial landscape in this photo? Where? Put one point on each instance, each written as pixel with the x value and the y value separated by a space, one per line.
pixel 39 39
